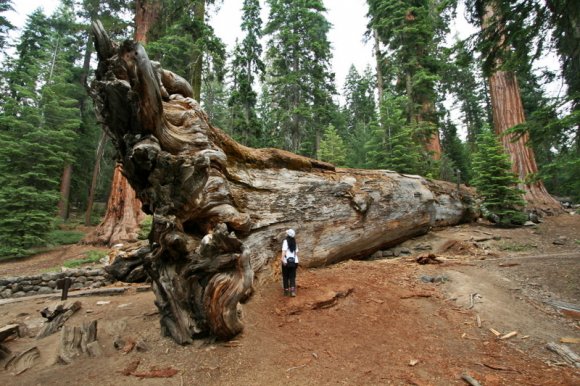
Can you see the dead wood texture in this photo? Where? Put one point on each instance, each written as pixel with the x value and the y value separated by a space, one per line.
pixel 220 209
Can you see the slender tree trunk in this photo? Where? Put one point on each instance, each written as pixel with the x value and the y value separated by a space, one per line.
pixel 96 172
pixel 378 58
pixel 65 182
pixel 507 112
pixel 197 57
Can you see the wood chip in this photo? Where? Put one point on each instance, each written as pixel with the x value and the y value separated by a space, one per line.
pixel 570 340
pixel 509 335
pixel 478 321
pixel 495 332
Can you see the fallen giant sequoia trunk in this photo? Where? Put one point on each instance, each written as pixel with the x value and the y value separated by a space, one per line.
pixel 220 209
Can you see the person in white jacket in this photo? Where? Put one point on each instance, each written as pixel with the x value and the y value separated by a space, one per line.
pixel 289 263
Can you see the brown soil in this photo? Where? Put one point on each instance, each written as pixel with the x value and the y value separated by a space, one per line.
pixel 356 323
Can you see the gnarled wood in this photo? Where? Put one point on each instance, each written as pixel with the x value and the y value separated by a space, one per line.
pixel 220 209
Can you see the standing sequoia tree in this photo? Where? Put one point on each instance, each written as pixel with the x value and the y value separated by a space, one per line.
pixel 220 209
pixel 506 101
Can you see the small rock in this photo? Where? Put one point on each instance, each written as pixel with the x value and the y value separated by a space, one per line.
pixel 45 290
pixel 405 251
pixel 529 224
pixel 559 242
pixel 413 362
pixel 19 294
pixel 141 346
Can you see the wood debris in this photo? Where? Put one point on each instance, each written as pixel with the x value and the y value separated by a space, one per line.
pixel 570 340
pixel 509 335
pixel 20 362
pixel 470 380
pixel 495 332
pixel 427 258
pixel 56 317
pixel 568 355
pixel 9 331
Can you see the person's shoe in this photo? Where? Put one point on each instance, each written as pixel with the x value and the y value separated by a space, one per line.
pixel 286 292
pixel 292 292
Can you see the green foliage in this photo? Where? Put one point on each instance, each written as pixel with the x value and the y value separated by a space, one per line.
pixel 300 83
pixel 455 155
pixel 247 67
pixel 91 258
pixel 145 228
pixel 64 237
pixel 37 131
pixel 496 183
pixel 332 147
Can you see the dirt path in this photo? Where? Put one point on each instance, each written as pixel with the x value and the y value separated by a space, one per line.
pixel 356 323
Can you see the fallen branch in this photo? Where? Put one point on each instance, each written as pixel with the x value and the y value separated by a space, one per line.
pixel 500 368
pixel 296 367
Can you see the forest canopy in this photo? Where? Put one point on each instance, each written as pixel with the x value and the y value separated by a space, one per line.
pixel 276 88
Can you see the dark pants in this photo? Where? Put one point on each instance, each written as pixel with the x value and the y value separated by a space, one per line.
pixel 288 277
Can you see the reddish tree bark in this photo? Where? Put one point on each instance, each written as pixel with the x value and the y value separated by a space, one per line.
pixel 146 14
pixel 508 111
pixel 121 222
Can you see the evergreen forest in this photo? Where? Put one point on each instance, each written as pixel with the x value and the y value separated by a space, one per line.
pixel 276 88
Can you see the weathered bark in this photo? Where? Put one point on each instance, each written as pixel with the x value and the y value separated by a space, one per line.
pixel 508 111
pixel 220 209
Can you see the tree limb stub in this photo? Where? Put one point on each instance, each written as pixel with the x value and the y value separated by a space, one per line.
pixel 220 209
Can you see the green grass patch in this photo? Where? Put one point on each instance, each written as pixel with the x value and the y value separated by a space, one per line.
pixel 90 257
pixel 515 247
pixel 64 237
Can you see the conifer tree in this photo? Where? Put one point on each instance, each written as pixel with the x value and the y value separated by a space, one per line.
pixel 332 147
pixel 496 183
pixel 37 135
pixel 413 31
pixel 300 80
pixel 360 113
pixel 5 25
pixel 247 68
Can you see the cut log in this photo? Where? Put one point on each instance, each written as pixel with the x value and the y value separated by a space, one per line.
pixel 23 361
pixel 563 351
pixel 8 331
pixel 57 318
pixel 76 341
pixel 220 210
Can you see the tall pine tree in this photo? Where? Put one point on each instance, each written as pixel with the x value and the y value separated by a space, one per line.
pixel 300 80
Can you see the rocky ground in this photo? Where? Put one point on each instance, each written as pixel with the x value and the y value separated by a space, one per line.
pixel 383 321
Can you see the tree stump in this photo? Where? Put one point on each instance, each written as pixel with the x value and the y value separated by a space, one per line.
pixel 220 209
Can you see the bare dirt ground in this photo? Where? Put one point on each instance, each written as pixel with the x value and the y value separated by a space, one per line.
pixel 381 322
